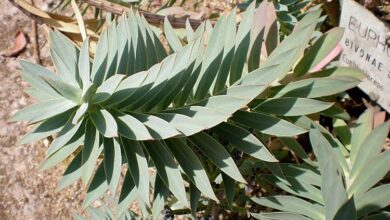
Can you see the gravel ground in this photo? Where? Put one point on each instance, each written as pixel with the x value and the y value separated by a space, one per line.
pixel 25 191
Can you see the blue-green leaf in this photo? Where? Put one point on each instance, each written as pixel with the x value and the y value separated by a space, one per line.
pixel 267 124
pixel 43 110
pixel 167 169
pixel 217 154
pixel 191 166
pixel 105 123
pixel 244 140
pixel 112 162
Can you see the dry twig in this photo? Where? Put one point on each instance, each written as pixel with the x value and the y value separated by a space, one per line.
pixel 34 39
pixel 150 17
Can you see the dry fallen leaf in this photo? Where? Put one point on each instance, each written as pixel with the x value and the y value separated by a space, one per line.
pixel 19 44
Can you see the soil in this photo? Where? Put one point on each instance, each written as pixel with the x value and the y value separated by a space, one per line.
pixel 25 191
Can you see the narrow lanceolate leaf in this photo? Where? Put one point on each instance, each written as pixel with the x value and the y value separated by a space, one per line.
pixel 174 80
pixel 73 144
pixel 373 200
pixel 43 110
pixel 211 61
pixel 332 143
pixel 180 75
pixel 278 216
pixel 170 35
pixel 292 106
pixel 108 87
pixel 167 169
pixel 66 134
pixel 105 123
pixel 128 193
pixel 32 72
pixel 378 216
pixel 65 57
pixel 336 111
pixel 208 118
pixel 228 52
pixel 347 211
pixel 157 127
pixel 292 204
pixel 80 113
pixel 302 173
pixel 339 71
pixel 138 166
pixel 91 151
pixel 229 185
pixel 84 64
pixel 161 80
pixel 362 129
pixel 66 90
pixel 186 125
pixel 123 45
pixel 131 128
pixel 191 166
pixel 161 193
pixel 343 132
pixel 316 87
pixel 296 187
pixel 257 35
pixel 282 59
pixel 242 44
pixel 332 187
pixel 97 187
pixel 46 128
pixel 126 88
pixel 318 52
pixel 112 162
pixel 333 190
pixel 294 145
pixel 371 147
pixel 367 178
pixel 100 62
pixel 112 51
pixel 271 32
pixel 189 31
pixel 267 124
pixel 194 199
pixel 223 104
pixel 40 95
pixel 244 140
pixel 321 148
pixel 217 154
pixel 72 172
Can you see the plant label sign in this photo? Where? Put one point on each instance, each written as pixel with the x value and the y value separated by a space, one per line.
pixel 366 46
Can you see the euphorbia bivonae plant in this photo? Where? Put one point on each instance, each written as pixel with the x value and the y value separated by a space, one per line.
pixel 134 106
